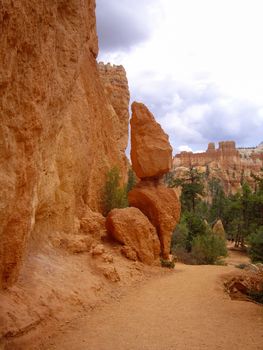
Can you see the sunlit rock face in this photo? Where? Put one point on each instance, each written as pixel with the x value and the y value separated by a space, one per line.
pixel 162 207
pixel 131 228
pixel 151 152
pixel 60 132
pixel 117 90
pixel 151 156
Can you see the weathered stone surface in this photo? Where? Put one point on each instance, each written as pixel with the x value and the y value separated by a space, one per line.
pixel 226 163
pixel 151 152
pixel 58 129
pixel 162 207
pixel 111 273
pixel 116 86
pixel 130 227
pixel 98 250
pixel 93 223
pixel 75 244
pixel 218 229
pixel 129 253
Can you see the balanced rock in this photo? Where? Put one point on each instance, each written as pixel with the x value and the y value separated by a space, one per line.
pixel 130 227
pixel 162 207
pixel 151 152
pixel 218 229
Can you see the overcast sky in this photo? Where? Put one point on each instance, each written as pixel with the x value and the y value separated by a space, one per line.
pixel 196 64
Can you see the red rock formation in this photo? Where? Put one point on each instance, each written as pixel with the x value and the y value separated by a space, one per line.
pixel 229 164
pixel 130 227
pixel 151 152
pixel 116 86
pixel 160 204
pixel 151 158
pixel 58 129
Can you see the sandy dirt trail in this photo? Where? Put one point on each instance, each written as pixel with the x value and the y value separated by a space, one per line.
pixel 185 309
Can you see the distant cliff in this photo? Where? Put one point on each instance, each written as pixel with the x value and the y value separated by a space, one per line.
pixel 227 163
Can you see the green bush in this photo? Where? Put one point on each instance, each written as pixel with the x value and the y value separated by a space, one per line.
pixel 196 227
pixel 179 237
pixel 167 263
pixel 113 195
pixel 256 246
pixel 208 248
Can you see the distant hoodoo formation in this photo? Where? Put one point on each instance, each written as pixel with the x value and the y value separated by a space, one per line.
pixel 151 155
pixel 226 163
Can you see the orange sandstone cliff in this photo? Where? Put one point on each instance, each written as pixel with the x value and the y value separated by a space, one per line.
pixel 60 130
pixel 63 125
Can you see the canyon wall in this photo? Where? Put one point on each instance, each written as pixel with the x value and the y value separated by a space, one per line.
pixel 227 163
pixel 60 129
pixel 116 87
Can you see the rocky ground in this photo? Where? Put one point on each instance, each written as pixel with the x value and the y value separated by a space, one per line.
pixel 183 309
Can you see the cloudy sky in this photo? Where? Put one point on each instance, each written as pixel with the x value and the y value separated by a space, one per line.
pixel 197 65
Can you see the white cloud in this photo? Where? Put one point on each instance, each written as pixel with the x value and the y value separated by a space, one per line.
pixel 185 148
pixel 200 69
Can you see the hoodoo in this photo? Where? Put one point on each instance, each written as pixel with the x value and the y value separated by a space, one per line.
pixel 151 155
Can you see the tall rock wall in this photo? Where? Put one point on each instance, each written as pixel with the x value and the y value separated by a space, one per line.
pixel 58 127
pixel 116 87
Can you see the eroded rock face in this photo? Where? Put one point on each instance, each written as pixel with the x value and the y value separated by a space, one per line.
pixel 93 224
pixel 151 152
pixel 58 129
pixel 226 163
pixel 162 207
pixel 130 227
pixel 116 86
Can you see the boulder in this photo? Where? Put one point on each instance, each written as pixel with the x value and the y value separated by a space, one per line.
pixel 218 229
pixel 131 227
pixel 151 152
pixel 162 207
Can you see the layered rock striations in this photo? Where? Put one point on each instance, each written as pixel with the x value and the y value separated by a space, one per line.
pixel 58 127
pixel 229 164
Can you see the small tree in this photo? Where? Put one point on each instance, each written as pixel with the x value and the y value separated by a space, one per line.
pixel 192 188
pixel 207 249
pixel 113 195
pixel 218 197
pixel 256 246
pixel 196 227
pixel 131 180
pixel 180 236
